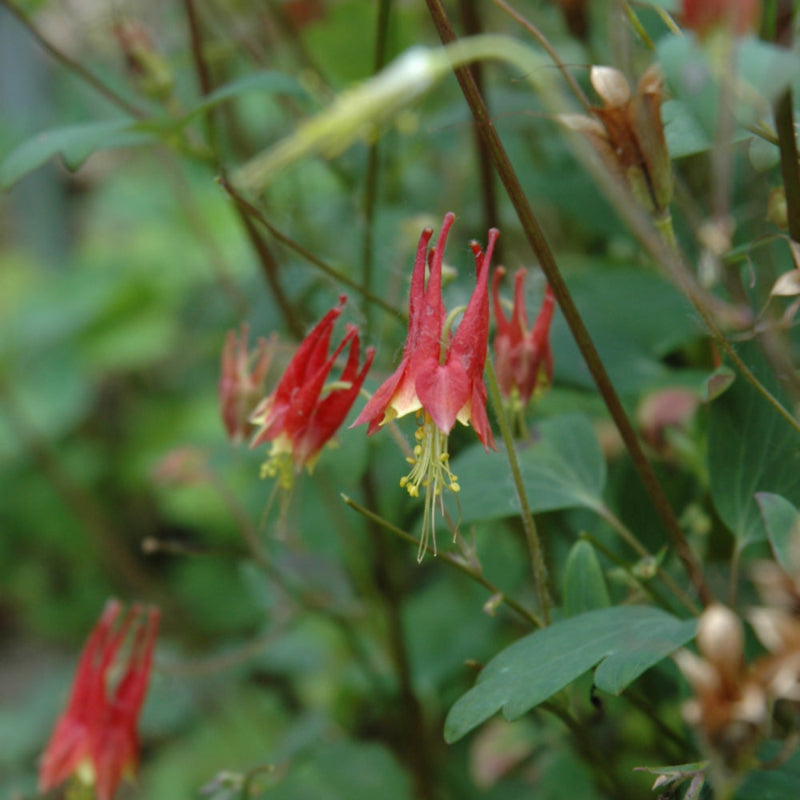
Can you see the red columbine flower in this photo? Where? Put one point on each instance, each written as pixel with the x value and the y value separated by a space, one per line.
pixel 706 16
pixel 440 376
pixel 296 418
pixel 240 387
pixel 523 359
pixel 95 738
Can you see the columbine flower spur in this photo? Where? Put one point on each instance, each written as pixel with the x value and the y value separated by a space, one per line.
pixel 305 410
pixel 440 377
pixel 95 737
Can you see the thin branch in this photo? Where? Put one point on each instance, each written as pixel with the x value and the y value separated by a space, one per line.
pixel 321 265
pixel 540 579
pixel 538 243
pixel 543 41
pixel 73 66
pixel 453 561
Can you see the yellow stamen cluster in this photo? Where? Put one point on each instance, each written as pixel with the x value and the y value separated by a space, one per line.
pixel 430 469
pixel 279 464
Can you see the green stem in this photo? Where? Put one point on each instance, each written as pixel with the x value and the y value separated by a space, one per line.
pixel 373 168
pixel 630 538
pixel 538 243
pixel 538 565
pixel 587 747
pixel 624 565
pixel 454 561
pixel 416 749
pixel 667 253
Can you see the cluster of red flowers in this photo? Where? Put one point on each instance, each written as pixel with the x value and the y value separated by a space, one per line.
pixel 439 378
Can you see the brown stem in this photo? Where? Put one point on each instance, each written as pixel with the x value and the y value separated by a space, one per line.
pixel 784 122
pixel 321 265
pixel 201 68
pixel 538 243
pixel 269 266
pixel 471 21
pixel 543 41
pixel 84 74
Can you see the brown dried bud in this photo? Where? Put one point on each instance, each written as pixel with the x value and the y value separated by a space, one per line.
pixel 628 134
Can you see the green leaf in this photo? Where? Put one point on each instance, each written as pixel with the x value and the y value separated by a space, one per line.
pixel 564 467
pixel 782 521
pixel 651 319
pixel 772 784
pixel 685 135
pixel 584 583
pixel 74 143
pixel 626 639
pixel 266 80
pixel 751 449
pixel 763 71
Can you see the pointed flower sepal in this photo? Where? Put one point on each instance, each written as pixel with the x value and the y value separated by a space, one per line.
pixel 95 738
pixel 440 376
pixel 305 410
pixel 240 384
pixel 523 359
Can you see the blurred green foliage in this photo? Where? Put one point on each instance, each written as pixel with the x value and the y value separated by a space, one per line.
pixel 325 666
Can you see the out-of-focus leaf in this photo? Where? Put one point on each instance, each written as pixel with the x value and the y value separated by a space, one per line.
pixel 346 770
pixel 563 467
pixel 685 135
pixel 772 784
pixel 751 449
pixel 782 521
pixel 624 640
pixel 584 583
pixel 74 143
pixel 650 320
pixel 265 81
pixel 718 382
pixel 763 71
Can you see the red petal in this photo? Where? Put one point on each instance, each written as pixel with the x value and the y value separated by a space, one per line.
pixel 443 391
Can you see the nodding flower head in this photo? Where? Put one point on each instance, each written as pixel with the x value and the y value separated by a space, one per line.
pixel 95 738
pixel 440 376
pixel 523 359
pixel 306 409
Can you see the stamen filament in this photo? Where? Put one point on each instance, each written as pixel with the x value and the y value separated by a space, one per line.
pixel 431 471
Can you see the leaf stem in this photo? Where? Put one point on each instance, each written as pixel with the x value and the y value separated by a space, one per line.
pixel 454 561
pixel 630 538
pixel 538 565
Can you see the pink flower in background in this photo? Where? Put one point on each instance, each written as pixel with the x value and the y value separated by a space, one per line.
pixel 523 358
pixel 240 385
